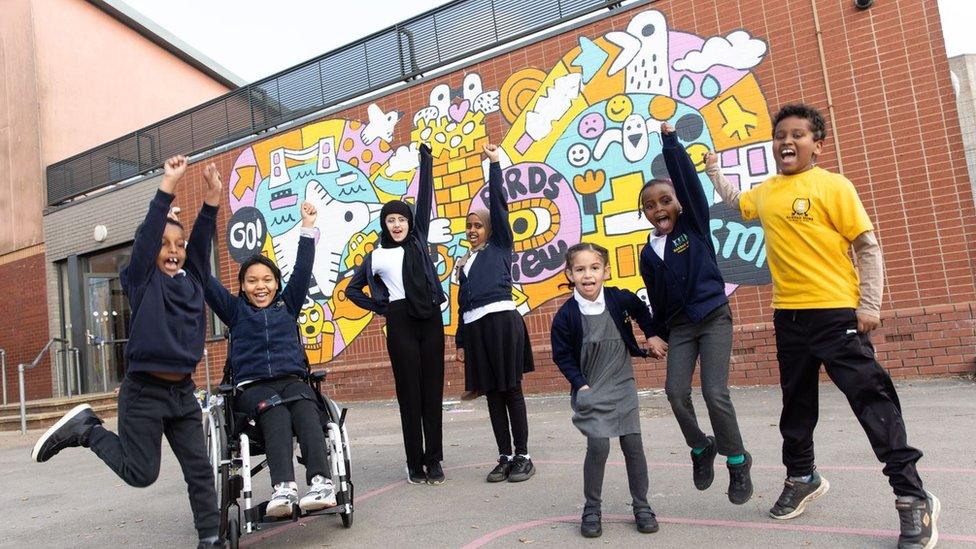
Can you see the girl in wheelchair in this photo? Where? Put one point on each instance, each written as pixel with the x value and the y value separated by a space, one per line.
pixel 268 366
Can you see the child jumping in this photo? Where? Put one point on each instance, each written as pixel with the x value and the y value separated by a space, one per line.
pixel 824 311
pixel 592 342
pixel 164 284
pixel 492 340
pixel 692 319
pixel 268 364
pixel 405 289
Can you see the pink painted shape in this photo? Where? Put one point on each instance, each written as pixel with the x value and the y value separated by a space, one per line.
pixel 729 288
pixel 524 143
pixel 245 159
pixel 378 156
pixel 457 111
pixel 757 161
pixel 730 158
pixel 283 202
pixel 679 44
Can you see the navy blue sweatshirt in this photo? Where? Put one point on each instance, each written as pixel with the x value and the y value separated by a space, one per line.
pixel 264 342
pixel 168 320
pixel 419 229
pixel 567 331
pixel 688 278
pixel 490 278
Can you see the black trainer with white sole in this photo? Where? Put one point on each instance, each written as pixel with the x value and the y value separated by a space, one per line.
pixel 73 429
pixel 796 495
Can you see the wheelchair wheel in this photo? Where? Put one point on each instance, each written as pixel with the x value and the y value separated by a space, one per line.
pixel 347 517
pixel 216 451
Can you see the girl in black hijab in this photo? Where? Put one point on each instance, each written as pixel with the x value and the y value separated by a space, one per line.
pixel 404 288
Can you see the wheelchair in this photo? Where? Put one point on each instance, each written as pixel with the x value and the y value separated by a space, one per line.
pixel 233 439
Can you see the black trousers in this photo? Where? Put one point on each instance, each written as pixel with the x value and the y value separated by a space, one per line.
pixel 805 339
pixel 505 405
pixel 279 422
pixel 594 465
pixel 416 350
pixel 150 407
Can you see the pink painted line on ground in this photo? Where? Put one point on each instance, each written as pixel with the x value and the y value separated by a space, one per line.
pixel 260 536
pixel 863 532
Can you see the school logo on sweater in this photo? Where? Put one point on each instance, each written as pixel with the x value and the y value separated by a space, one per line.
pixel 800 208
pixel 680 244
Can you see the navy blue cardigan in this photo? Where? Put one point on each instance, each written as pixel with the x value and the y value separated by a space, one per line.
pixel 264 342
pixel 490 278
pixel 688 278
pixel 567 331
pixel 379 298
pixel 168 323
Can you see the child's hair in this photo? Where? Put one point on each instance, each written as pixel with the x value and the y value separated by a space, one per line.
pixel 809 113
pixel 649 184
pixel 582 247
pixel 170 221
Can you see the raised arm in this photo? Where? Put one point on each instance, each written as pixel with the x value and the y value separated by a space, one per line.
pixel 294 293
pixel 501 230
pixel 221 301
pixel 201 237
pixel 145 247
pixel 724 187
pixel 685 178
pixel 425 194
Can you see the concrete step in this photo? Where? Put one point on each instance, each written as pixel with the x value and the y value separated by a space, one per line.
pixel 45 412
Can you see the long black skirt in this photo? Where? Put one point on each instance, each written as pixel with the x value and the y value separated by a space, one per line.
pixel 496 352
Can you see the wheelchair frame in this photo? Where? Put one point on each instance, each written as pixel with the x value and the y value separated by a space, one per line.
pixel 230 458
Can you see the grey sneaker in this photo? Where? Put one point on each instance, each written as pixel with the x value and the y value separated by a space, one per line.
pixel 919 521
pixel 283 500
pixel 321 494
pixel 796 495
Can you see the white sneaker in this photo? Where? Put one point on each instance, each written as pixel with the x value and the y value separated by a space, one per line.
pixel 284 497
pixel 321 494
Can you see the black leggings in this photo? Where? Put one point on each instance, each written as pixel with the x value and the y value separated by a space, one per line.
pixel 279 422
pixel 416 350
pixel 503 405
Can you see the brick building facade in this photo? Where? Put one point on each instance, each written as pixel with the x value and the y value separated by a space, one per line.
pixel 893 128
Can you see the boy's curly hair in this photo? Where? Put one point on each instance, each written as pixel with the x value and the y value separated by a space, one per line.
pixel 807 112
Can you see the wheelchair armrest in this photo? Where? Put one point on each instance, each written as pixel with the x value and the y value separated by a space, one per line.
pixel 318 375
pixel 226 389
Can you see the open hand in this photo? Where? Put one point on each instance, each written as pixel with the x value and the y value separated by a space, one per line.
pixel 666 129
pixel 214 184
pixel 309 213
pixel 491 151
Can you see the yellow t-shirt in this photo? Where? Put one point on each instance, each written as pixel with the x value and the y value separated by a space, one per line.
pixel 810 220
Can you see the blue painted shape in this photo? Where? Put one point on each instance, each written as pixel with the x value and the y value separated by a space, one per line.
pixel 590 58
pixel 686 88
pixel 710 87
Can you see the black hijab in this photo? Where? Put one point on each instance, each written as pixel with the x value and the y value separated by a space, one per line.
pixel 415 286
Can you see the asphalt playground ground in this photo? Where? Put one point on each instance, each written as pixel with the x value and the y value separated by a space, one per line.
pixel 75 501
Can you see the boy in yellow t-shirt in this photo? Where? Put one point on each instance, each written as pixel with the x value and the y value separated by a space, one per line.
pixel 825 310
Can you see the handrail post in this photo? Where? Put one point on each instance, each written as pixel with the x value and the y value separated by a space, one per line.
pixel 206 366
pixel 104 368
pixel 3 367
pixel 23 401
pixel 74 352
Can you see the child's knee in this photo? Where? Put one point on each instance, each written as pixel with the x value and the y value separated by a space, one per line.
pixel 676 392
pixel 142 478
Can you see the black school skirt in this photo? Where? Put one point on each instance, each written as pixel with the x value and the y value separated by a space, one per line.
pixel 496 352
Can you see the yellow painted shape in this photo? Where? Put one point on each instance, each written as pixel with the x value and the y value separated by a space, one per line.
pixel 619 107
pixel 457 165
pixel 662 108
pixel 518 90
pixel 739 116
pixel 459 193
pixel 697 153
pixel 245 181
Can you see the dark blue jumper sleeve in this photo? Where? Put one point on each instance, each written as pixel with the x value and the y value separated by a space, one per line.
pixel 145 248
pixel 200 242
pixel 501 230
pixel 687 186
pixel 297 287
pixel 221 301
pixel 425 196
pixel 561 339
pixel 354 291
pixel 639 312
pixel 657 325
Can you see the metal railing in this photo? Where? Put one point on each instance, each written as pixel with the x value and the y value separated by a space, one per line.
pixel 21 368
pixel 433 39
pixel 3 372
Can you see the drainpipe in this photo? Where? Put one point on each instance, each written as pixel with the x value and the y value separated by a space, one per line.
pixel 830 100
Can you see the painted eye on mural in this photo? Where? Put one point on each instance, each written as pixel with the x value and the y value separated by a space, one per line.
pixel 314 316
pixel 530 222
pixel 302 318
pixel 647 30
pixel 348 217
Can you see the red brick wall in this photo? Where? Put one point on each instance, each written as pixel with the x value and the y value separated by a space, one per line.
pixel 23 325
pixel 899 140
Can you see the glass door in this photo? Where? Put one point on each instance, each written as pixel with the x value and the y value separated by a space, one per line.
pixel 107 321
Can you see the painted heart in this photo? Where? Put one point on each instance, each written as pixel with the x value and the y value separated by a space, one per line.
pixel 458 111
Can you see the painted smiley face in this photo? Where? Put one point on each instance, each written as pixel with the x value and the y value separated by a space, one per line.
pixel 619 107
pixel 578 155
pixel 592 125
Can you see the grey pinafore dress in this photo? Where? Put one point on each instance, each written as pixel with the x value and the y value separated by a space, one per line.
pixel 609 408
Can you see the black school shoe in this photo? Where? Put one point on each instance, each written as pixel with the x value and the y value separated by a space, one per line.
pixel 416 476
pixel 590 526
pixel 435 474
pixel 796 495
pixel 500 472
pixel 703 465
pixel 646 521
pixel 740 481
pixel 522 469
pixel 919 518
pixel 73 429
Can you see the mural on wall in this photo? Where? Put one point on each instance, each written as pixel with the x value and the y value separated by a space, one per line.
pixel 582 138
